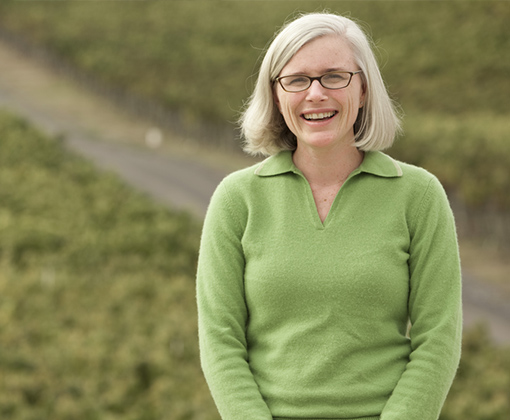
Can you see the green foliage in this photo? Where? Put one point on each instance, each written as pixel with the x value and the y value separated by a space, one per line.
pixel 97 308
pixel 469 154
pixel 198 56
pixel 444 61
pixel 97 300
pixel 482 386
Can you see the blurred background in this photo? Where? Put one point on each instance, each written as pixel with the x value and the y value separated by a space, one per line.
pixel 118 119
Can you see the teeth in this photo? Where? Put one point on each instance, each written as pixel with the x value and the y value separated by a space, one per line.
pixel 319 116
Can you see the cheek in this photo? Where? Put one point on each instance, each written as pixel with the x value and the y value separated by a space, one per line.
pixel 351 111
pixel 351 104
pixel 288 111
pixel 286 102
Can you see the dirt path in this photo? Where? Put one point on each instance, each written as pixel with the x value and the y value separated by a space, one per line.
pixel 177 173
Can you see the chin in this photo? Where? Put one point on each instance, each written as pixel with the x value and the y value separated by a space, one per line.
pixel 321 141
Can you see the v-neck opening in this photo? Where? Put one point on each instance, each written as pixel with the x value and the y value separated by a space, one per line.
pixel 319 224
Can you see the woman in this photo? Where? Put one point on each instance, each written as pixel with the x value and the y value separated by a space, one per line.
pixel 328 282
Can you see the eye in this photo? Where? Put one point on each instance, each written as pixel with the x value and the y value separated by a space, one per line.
pixel 336 80
pixel 296 81
pixel 335 77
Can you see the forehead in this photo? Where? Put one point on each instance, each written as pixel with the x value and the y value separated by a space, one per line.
pixel 326 53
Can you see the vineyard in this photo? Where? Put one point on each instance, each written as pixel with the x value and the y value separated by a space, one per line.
pixel 97 300
pixel 199 57
pixel 195 62
pixel 97 305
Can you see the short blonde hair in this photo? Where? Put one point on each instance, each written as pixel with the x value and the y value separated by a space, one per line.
pixel 263 127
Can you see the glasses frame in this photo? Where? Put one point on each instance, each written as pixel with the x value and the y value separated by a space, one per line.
pixel 319 79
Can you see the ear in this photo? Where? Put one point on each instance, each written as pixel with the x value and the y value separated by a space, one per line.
pixel 363 95
pixel 276 99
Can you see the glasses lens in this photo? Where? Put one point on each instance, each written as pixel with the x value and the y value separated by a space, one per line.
pixel 336 80
pixel 298 83
pixel 295 83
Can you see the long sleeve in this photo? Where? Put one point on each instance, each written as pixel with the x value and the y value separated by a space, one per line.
pixel 434 310
pixel 223 314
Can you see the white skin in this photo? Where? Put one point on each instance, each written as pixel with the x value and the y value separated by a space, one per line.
pixel 326 152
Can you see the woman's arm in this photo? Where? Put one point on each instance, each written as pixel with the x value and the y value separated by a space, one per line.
pixel 435 311
pixel 223 315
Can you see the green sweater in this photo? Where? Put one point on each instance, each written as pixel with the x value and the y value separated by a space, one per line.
pixel 300 319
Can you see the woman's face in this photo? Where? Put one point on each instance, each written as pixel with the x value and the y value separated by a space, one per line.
pixel 335 110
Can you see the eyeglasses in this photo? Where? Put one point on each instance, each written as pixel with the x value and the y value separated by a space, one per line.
pixel 300 82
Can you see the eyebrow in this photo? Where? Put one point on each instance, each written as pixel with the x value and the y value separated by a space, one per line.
pixel 336 69
pixel 330 70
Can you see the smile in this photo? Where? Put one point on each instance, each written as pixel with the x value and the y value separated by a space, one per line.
pixel 320 116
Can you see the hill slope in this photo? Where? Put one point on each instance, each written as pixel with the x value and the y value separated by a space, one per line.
pixel 188 63
pixel 97 306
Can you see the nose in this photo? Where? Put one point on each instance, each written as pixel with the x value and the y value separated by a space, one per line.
pixel 316 92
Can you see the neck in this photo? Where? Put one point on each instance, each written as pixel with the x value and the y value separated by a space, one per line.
pixel 327 167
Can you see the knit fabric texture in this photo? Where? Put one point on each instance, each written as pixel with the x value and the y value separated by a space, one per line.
pixel 357 317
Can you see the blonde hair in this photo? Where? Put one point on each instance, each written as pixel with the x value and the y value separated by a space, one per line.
pixel 263 127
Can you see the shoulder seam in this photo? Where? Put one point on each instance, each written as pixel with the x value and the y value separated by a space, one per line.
pixel 424 198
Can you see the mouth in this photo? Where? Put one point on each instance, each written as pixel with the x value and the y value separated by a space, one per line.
pixel 320 116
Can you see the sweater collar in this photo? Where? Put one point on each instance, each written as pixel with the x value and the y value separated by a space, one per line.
pixel 375 163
